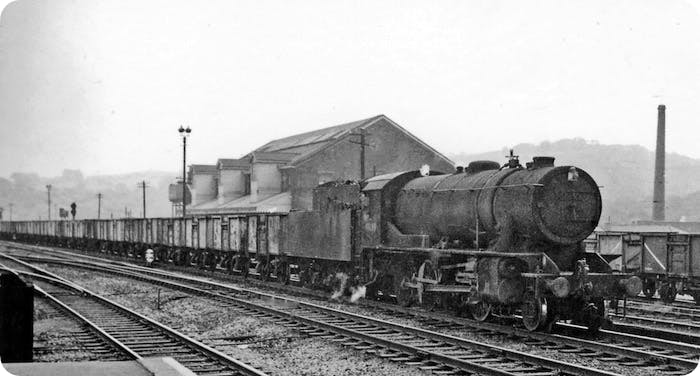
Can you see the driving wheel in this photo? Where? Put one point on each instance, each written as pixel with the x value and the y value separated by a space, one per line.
pixel 480 311
pixel 534 311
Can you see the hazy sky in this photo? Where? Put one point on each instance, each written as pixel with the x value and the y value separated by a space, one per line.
pixel 103 85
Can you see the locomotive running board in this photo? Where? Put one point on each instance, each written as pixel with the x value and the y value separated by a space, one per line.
pixel 431 286
pixel 452 251
pixel 447 288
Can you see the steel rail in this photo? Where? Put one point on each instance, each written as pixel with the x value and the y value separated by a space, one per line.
pixel 94 327
pixel 106 338
pixel 684 303
pixel 656 321
pixel 650 309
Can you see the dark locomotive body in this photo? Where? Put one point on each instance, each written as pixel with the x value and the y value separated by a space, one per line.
pixel 487 239
pixel 492 239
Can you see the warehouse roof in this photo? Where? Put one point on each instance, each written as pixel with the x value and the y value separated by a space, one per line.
pixel 203 169
pixel 262 156
pixel 279 203
pixel 314 137
pixel 305 145
pixel 232 163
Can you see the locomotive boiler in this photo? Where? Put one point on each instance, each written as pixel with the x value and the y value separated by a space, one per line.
pixel 554 205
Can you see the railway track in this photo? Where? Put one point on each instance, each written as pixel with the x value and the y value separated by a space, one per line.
pixel 74 340
pixel 653 328
pixel 130 333
pixel 667 311
pixel 681 303
pixel 432 350
pixel 680 327
pixel 78 338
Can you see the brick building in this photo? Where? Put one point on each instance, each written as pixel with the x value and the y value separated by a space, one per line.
pixel 280 175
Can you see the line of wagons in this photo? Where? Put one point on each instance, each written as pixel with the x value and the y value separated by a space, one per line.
pixel 236 242
pixel 666 259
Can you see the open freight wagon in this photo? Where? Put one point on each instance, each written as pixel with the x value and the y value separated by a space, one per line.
pixel 666 259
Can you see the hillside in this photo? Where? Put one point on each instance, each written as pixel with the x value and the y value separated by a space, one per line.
pixel 120 193
pixel 624 172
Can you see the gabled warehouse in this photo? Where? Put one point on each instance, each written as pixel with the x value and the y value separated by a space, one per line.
pixel 280 175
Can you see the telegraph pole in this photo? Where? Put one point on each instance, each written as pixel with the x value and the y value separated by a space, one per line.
pixel 11 205
pixel 99 204
pixel 363 134
pixel 143 186
pixel 48 190
pixel 362 154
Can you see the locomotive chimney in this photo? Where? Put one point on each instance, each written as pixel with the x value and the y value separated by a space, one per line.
pixel 660 168
pixel 538 162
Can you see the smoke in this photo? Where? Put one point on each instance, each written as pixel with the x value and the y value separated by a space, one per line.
pixel 352 292
pixel 358 294
pixel 343 279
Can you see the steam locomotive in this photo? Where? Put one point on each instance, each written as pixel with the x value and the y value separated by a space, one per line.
pixel 486 240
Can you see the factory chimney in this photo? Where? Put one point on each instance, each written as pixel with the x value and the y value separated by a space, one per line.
pixel 660 169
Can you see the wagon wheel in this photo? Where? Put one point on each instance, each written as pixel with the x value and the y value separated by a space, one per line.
pixel 405 296
pixel 481 310
pixel 245 267
pixel 373 285
pixel 534 311
pixel 672 291
pixel 601 316
pixel 649 290
pixel 696 297
pixel 428 273
pixel 263 268
pixel 282 272
pixel 667 292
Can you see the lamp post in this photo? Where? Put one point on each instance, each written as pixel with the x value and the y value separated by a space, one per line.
pixel 99 204
pixel 184 132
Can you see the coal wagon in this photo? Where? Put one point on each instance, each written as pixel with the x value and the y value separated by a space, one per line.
pixel 665 258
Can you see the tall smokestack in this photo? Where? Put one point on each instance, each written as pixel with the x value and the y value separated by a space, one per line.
pixel 660 169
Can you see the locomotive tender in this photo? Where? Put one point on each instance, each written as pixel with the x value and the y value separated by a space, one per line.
pixel 488 240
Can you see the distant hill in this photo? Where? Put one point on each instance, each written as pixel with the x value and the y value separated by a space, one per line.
pixel 120 194
pixel 625 172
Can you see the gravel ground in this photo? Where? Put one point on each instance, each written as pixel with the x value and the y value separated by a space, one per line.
pixel 272 348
